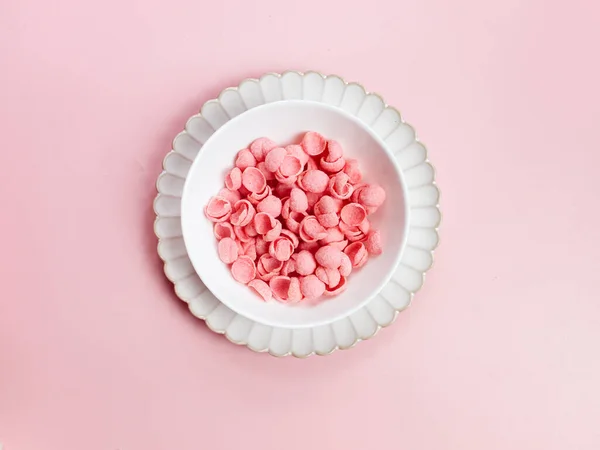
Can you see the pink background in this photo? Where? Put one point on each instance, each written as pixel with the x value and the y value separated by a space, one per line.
pixel 500 350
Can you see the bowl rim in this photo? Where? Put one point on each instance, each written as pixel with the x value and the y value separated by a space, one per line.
pixel 422 241
pixel 214 286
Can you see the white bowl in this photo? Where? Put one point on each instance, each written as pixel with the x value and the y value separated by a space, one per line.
pixel 285 122
pixel 422 219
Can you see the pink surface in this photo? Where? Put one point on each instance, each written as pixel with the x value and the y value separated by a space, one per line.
pixel 499 350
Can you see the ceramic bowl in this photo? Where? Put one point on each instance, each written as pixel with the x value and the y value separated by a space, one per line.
pixel 418 226
pixel 285 122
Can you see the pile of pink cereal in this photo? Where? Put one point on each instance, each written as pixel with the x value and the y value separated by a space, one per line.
pixel 292 221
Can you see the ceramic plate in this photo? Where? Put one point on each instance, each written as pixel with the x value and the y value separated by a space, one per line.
pixel 423 215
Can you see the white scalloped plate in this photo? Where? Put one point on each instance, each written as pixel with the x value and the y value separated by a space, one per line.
pixel 424 215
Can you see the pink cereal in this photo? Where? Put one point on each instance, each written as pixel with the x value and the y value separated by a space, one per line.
pixel 262 246
pixel 298 152
pixel 250 230
pixel 328 220
pixel 373 242
pixel 312 199
pixel 223 230
pixel 274 158
pixel 256 197
pixel 293 221
pixel 338 289
pixel 280 287
pixel 263 168
pixel 305 263
pixel 243 269
pixel 285 180
pixel 249 248
pixel 288 267
pixel 340 245
pixel 294 291
pixel 334 234
pixel 263 222
pixel 262 289
pixel 331 277
pixel 253 180
pixel 243 213
pixel 273 233
pixel 315 181
pixel 312 164
pixel 270 205
pixel 298 200
pixel 340 186
pixel 313 143
pixel 230 196
pixel 357 253
pixel 310 246
pixel 218 209
pixel 289 235
pixel 245 159
pixel 281 249
pixel 353 214
pixel 283 190
pixel 268 267
pixel 290 167
pixel 332 167
pixel 329 257
pixel 325 205
pixel 352 170
pixel 228 250
pixel 241 234
pixel 346 266
pixel 311 287
pixel 260 147
pixel 233 180
pixel 311 230
pixel 372 195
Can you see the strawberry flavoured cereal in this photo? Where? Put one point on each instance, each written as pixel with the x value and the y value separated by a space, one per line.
pixel 292 222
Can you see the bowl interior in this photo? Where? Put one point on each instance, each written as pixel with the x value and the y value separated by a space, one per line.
pixel 285 122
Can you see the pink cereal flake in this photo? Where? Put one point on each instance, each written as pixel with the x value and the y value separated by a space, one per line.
pixel 228 250
pixel 338 289
pixel 233 180
pixel 230 196
pixel 243 213
pixel 373 243
pixel 329 257
pixel 293 221
pixel 353 214
pixel 223 230
pixel 314 181
pixel 274 159
pixel 340 186
pixel 271 205
pixel 253 180
pixel 305 263
pixel 261 288
pixel 218 209
pixel 311 286
pixel 243 269
pixel 313 143
pixel 353 171
pixel 260 147
pixel 311 230
pixel 245 159
pixel 298 152
pixel 281 248
pixel 357 253
pixel 298 200
pixel 280 287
